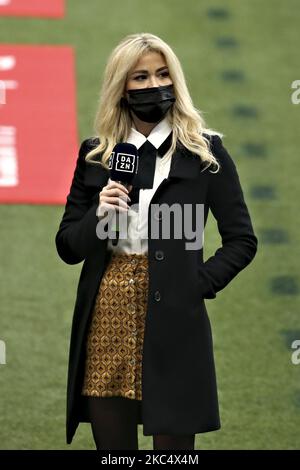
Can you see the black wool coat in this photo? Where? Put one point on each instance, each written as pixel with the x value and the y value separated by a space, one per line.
pixel 179 387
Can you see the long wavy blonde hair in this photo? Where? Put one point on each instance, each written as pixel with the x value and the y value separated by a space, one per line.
pixel 113 122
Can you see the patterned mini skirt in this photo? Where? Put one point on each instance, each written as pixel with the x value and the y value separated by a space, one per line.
pixel 114 343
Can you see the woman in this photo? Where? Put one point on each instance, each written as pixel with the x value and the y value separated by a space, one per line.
pixel 141 347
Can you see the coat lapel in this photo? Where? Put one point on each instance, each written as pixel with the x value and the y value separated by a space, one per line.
pixel 184 165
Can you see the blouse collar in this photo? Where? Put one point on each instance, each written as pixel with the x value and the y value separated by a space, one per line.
pixel 157 136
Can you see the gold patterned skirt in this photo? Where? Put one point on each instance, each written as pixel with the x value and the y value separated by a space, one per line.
pixel 113 365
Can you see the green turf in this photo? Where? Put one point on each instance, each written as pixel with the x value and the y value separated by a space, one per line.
pixel 258 385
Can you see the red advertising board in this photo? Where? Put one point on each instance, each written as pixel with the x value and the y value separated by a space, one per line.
pixel 47 8
pixel 38 126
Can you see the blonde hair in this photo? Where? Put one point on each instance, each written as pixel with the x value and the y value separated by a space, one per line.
pixel 113 122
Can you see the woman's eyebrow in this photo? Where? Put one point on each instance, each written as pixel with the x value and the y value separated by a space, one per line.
pixel 140 71
pixel 146 71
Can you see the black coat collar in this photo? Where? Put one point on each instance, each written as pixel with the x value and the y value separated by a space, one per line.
pixel 183 165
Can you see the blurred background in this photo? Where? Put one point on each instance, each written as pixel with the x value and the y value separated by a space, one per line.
pixel 240 59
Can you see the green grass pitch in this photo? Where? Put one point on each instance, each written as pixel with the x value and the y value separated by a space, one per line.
pixel 245 59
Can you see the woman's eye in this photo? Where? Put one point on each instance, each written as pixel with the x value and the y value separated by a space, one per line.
pixel 165 74
pixel 140 77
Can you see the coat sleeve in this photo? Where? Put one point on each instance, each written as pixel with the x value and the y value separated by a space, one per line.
pixel 239 243
pixel 77 230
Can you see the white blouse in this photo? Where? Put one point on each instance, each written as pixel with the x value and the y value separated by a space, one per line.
pixel 136 231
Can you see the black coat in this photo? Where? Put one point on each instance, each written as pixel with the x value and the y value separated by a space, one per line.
pixel 179 385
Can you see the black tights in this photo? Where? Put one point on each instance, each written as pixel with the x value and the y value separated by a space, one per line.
pixel 114 422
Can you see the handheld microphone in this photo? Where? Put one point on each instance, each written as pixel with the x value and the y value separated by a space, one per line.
pixel 123 165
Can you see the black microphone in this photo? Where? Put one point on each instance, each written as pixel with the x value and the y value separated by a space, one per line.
pixel 123 165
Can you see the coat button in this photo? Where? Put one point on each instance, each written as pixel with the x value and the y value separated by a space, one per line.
pixel 157 296
pixel 159 255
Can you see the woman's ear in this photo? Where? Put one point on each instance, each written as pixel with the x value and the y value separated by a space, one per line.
pixel 124 99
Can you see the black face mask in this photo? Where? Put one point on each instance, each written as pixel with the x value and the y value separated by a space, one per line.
pixel 151 104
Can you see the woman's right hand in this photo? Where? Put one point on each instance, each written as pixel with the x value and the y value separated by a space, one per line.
pixel 113 197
